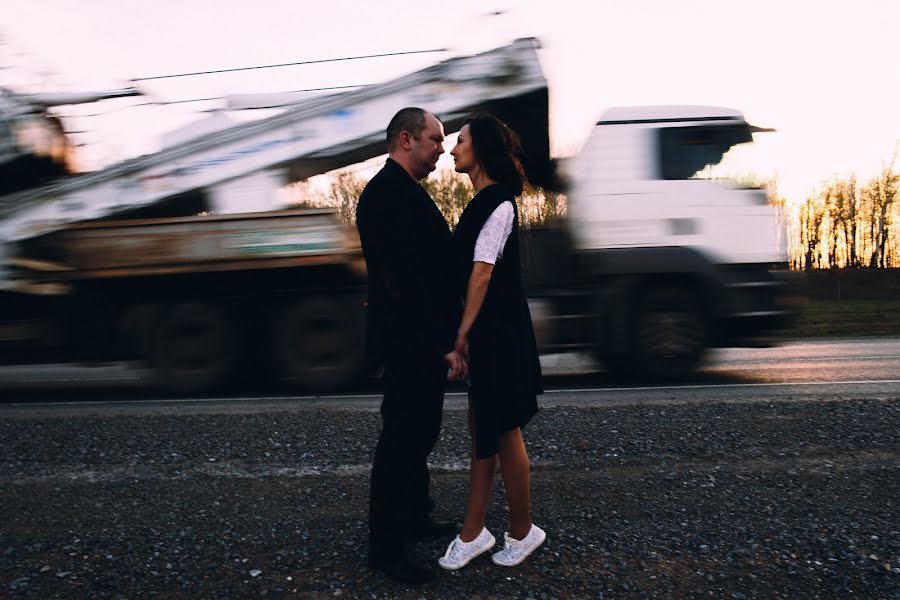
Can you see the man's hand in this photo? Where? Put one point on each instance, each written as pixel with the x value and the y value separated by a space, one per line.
pixel 459 370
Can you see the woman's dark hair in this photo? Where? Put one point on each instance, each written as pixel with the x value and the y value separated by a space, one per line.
pixel 497 150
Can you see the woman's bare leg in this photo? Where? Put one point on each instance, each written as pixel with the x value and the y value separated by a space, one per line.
pixel 481 480
pixel 517 480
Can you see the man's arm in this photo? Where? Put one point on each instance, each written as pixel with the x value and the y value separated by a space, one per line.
pixel 373 219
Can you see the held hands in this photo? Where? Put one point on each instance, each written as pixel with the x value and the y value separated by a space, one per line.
pixel 458 359
pixel 459 369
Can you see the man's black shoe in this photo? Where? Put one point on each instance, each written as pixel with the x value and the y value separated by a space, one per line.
pixel 405 570
pixel 431 528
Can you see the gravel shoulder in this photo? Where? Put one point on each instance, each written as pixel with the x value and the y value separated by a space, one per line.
pixel 780 500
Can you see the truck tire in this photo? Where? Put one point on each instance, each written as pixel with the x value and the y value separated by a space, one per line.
pixel 669 333
pixel 195 348
pixel 319 343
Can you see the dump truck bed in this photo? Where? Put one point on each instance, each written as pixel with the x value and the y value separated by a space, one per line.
pixel 205 243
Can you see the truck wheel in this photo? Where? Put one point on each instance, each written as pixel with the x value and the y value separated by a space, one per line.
pixel 669 335
pixel 319 343
pixel 194 349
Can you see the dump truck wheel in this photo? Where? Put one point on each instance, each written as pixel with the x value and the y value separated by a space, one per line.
pixel 319 343
pixel 669 333
pixel 194 348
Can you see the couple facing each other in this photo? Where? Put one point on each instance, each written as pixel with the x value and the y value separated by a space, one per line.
pixel 442 302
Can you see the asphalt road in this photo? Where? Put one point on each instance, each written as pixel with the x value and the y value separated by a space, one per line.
pixel 809 369
pixel 774 473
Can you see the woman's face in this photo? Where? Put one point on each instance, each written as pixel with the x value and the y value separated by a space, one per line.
pixel 463 153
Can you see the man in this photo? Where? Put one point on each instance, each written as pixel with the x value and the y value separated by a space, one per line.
pixel 412 319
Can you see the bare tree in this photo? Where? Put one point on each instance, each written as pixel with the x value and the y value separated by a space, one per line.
pixel 812 215
pixel 451 192
pixel 832 211
pixel 840 199
pixel 851 192
pixel 882 191
pixel 344 195
pixel 538 206
pixel 553 207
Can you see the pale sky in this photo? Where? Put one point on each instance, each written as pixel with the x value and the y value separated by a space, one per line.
pixel 825 74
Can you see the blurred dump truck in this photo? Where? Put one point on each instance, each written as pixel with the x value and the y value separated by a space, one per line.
pixel 180 260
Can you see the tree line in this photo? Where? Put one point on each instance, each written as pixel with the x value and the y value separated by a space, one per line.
pixel 848 223
pixel 449 190
pixel 842 223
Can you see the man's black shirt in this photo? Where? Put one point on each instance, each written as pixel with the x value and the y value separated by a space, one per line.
pixel 414 308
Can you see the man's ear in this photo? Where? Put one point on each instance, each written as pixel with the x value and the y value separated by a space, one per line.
pixel 405 140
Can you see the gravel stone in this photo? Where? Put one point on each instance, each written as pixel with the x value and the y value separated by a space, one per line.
pixel 792 499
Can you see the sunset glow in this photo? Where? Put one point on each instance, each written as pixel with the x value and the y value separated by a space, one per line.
pixel 823 74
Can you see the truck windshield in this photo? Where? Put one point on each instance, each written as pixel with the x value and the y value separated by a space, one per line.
pixel 686 151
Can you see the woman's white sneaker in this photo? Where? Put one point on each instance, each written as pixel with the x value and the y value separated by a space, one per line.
pixel 515 551
pixel 460 553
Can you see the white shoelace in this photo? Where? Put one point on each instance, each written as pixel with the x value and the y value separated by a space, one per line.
pixel 458 548
pixel 512 545
pixel 454 550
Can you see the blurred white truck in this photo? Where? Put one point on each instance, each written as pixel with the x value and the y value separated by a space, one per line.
pixel 179 258
pixel 653 266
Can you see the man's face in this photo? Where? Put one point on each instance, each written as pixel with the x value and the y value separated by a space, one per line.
pixel 427 147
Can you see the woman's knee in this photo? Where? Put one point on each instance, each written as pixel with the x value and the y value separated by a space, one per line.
pixel 512 437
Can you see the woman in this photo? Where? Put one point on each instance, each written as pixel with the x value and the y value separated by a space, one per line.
pixel 497 340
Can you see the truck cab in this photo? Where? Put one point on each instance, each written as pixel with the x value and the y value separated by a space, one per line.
pixel 668 263
pixel 634 186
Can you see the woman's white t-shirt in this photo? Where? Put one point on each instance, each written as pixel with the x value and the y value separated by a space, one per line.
pixel 494 233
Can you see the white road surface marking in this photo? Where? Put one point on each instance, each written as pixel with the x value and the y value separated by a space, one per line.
pixel 451 394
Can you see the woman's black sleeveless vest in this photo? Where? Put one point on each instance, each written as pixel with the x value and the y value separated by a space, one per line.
pixel 504 368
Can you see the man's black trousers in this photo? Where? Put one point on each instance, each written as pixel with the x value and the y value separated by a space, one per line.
pixel 411 423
